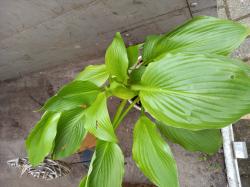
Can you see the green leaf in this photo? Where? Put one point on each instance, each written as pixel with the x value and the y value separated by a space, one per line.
pixel 120 91
pixel 96 74
pixel 98 121
pixel 153 155
pixel 70 133
pixel 148 50
pixel 196 91
pixel 40 140
pixel 116 59
pixel 202 34
pixel 107 168
pixel 73 95
pixel 83 182
pixel 136 74
pixel 133 54
pixel 207 141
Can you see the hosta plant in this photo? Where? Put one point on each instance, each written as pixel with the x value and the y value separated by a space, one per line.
pixel 184 79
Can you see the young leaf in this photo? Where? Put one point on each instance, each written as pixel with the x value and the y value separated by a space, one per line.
pixel 96 74
pixel 153 155
pixel 120 91
pixel 97 120
pixel 133 54
pixel 207 141
pixel 74 95
pixel 70 133
pixel 116 59
pixel 202 34
pixel 40 140
pixel 196 91
pixel 107 168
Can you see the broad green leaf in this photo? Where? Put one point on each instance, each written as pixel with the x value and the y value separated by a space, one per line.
pixel 83 182
pixel 116 59
pixel 107 168
pixel 74 95
pixel 98 121
pixel 70 133
pixel 40 140
pixel 208 141
pixel 120 91
pixel 153 155
pixel 196 91
pixel 96 74
pixel 202 34
pixel 133 54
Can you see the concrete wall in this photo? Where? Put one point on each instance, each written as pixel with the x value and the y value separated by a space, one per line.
pixel 37 34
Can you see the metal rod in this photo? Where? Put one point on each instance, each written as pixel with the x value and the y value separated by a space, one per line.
pixel 232 169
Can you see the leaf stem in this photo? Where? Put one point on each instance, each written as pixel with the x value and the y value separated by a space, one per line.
pixel 121 117
pixel 119 110
pixel 136 87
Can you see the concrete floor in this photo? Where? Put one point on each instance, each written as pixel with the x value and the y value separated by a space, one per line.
pixel 19 98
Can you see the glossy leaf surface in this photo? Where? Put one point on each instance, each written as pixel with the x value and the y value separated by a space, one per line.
pixel 73 95
pixel 107 167
pixel 153 155
pixel 202 34
pixel 133 54
pixel 206 141
pixel 70 133
pixel 196 91
pixel 98 121
pixel 40 141
pixel 120 91
pixel 116 59
pixel 96 74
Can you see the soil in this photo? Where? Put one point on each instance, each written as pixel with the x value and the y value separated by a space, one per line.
pixel 21 97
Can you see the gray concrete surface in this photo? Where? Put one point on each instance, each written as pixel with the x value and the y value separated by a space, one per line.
pixel 39 34
pixel 21 97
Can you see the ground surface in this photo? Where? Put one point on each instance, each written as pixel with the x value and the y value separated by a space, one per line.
pixel 19 98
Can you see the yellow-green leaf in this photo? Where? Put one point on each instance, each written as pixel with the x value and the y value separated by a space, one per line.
pixel 70 133
pixel 97 120
pixel 116 59
pixel 201 34
pixel 153 155
pixel 107 166
pixel 40 140
pixel 196 91
pixel 133 54
pixel 73 95
pixel 207 141
pixel 96 74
